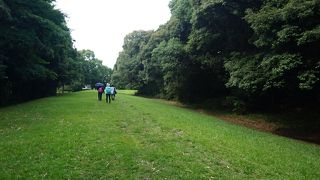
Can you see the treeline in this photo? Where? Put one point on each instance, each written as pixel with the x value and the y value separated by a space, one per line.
pixel 37 54
pixel 243 54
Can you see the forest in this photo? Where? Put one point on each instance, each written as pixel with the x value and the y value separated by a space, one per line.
pixel 211 94
pixel 37 54
pixel 245 55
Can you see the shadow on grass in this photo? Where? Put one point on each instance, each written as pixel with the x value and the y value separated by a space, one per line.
pixel 303 126
pixel 300 124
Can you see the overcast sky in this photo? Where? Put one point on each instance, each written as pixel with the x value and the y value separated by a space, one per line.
pixel 101 25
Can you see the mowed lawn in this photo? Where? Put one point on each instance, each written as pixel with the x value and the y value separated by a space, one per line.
pixel 76 136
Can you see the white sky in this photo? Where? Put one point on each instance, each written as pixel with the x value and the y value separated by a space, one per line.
pixel 101 25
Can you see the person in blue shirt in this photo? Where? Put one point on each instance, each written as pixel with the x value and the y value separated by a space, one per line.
pixel 107 90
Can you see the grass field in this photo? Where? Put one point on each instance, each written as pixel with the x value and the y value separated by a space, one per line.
pixel 75 136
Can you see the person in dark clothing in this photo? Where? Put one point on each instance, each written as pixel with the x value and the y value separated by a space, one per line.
pixel 113 92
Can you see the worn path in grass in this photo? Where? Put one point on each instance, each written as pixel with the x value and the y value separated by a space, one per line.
pixel 76 136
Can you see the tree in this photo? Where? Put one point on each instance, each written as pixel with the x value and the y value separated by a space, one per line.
pixel 253 53
pixel 93 69
pixel 284 68
pixel 129 64
pixel 171 56
pixel 35 41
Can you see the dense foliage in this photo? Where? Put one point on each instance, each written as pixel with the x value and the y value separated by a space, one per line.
pixel 92 69
pixel 241 53
pixel 36 51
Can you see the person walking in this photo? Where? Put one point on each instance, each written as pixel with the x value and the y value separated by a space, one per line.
pixel 113 92
pixel 100 92
pixel 107 90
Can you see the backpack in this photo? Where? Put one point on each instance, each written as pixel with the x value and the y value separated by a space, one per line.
pixel 100 90
pixel 108 90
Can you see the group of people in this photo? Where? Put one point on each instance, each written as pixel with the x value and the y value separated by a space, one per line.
pixel 110 92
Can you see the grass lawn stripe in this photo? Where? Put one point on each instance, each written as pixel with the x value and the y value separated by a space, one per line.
pixel 76 136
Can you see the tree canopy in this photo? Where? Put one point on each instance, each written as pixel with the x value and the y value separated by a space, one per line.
pixel 250 53
pixel 36 51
